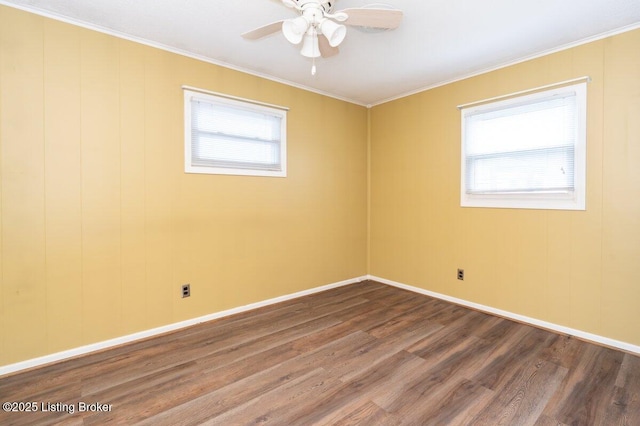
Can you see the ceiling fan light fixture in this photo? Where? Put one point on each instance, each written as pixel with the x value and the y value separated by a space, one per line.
pixel 334 32
pixel 310 45
pixel 295 29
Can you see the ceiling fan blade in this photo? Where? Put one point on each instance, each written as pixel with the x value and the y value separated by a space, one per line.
pixel 373 18
pixel 326 50
pixel 263 31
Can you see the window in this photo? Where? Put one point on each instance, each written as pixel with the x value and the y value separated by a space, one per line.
pixel 226 135
pixel 526 151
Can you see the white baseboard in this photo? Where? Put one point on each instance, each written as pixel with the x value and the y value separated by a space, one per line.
pixel 83 350
pixel 605 341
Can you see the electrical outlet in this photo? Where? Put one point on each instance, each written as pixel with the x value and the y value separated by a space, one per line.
pixel 461 274
pixel 186 290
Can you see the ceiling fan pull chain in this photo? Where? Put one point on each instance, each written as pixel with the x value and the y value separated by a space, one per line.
pixel 313 60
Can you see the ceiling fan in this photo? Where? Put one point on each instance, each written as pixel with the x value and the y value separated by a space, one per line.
pixel 320 30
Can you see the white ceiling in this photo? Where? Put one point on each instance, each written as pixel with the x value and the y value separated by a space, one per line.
pixel 438 41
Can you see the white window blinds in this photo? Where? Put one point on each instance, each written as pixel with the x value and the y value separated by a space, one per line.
pixel 532 145
pixel 231 137
pixel 527 148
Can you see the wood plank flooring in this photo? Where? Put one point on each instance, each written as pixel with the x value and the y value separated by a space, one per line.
pixel 364 354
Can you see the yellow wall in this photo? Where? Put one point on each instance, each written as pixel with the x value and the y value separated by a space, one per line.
pixel 577 269
pixel 99 224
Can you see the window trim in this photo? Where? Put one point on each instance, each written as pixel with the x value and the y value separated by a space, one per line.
pixel 214 97
pixel 547 201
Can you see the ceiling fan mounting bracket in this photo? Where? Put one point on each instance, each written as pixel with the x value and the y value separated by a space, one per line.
pixel 327 6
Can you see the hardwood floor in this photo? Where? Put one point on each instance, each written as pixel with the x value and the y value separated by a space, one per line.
pixel 365 354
